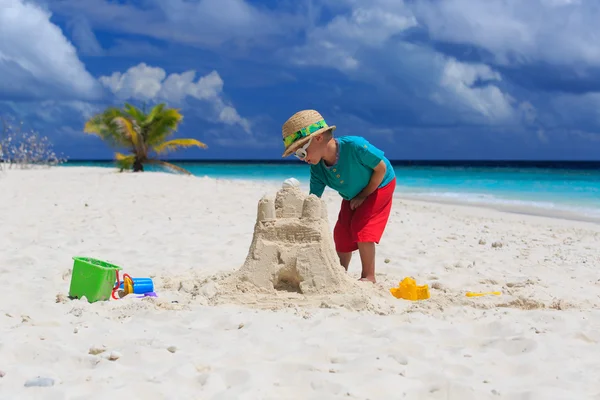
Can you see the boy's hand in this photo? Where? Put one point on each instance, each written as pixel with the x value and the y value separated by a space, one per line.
pixel 356 202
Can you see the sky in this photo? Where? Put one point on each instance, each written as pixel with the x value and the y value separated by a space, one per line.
pixel 420 79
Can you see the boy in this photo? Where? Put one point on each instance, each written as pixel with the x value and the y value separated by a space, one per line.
pixel 354 168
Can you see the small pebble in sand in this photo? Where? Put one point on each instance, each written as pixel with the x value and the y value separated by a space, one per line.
pixel 497 244
pixel 2 373
pixel 387 261
pixel 76 311
pixel 482 242
pixel 39 382
pixel 95 350
pixel 61 298
pixel 172 349
pixel 114 356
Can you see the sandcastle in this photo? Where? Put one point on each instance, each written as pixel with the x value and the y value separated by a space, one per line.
pixel 292 246
pixel 292 262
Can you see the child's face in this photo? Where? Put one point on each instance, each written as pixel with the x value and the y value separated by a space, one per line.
pixel 315 150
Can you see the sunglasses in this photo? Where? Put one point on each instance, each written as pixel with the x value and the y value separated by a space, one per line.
pixel 301 152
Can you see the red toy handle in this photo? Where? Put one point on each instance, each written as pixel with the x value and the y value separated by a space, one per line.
pixel 113 295
pixel 116 287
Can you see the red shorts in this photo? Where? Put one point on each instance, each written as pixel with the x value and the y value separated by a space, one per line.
pixel 367 222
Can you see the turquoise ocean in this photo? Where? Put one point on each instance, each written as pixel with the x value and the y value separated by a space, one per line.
pixel 567 192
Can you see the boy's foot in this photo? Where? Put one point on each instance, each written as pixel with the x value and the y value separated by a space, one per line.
pixel 372 280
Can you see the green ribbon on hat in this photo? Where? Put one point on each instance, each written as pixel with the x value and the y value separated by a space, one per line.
pixel 304 132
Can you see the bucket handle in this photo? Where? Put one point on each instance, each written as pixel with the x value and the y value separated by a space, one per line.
pixel 116 286
pixel 114 291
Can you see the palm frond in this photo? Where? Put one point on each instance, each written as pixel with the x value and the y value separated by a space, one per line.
pixel 130 129
pixel 125 161
pixel 162 126
pixel 156 111
pixel 176 144
pixel 135 113
pixel 169 166
pixel 103 126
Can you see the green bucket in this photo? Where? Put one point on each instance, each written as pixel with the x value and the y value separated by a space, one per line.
pixel 94 279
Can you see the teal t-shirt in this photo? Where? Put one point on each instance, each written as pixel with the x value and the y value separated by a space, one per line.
pixel 353 169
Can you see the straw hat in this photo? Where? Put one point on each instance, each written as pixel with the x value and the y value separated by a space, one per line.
pixel 300 127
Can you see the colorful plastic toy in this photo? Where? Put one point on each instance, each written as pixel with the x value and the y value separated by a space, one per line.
pixel 136 285
pixel 92 278
pixel 99 280
pixel 128 285
pixel 409 290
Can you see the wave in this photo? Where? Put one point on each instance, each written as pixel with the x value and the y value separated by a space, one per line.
pixel 582 208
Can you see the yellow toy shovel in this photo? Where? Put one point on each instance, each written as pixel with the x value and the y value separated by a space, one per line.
pixel 475 294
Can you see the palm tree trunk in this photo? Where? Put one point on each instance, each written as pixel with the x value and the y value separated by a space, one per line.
pixel 138 166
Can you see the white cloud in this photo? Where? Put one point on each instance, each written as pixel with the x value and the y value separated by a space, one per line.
pixel 143 82
pixel 368 25
pixel 336 43
pixel 140 82
pixel 364 44
pixel 36 60
pixel 209 23
pixel 488 100
pixel 84 38
pixel 219 20
pixel 561 32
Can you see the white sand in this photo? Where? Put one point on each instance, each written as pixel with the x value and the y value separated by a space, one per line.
pixel 539 340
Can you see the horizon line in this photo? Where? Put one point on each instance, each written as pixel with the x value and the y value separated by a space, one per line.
pixel 395 162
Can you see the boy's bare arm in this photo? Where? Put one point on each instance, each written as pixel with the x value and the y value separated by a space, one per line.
pixel 374 182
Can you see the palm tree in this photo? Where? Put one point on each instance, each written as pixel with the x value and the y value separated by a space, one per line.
pixel 142 133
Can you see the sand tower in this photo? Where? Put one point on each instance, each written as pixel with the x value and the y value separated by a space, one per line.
pixel 292 247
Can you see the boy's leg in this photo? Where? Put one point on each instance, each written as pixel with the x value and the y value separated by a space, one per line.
pixel 368 223
pixel 367 258
pixel 345 259
pixel 342 235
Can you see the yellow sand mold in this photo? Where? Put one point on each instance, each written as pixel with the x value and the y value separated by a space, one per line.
pixel 409 290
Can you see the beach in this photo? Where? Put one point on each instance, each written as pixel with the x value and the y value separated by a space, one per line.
pixel 538 340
